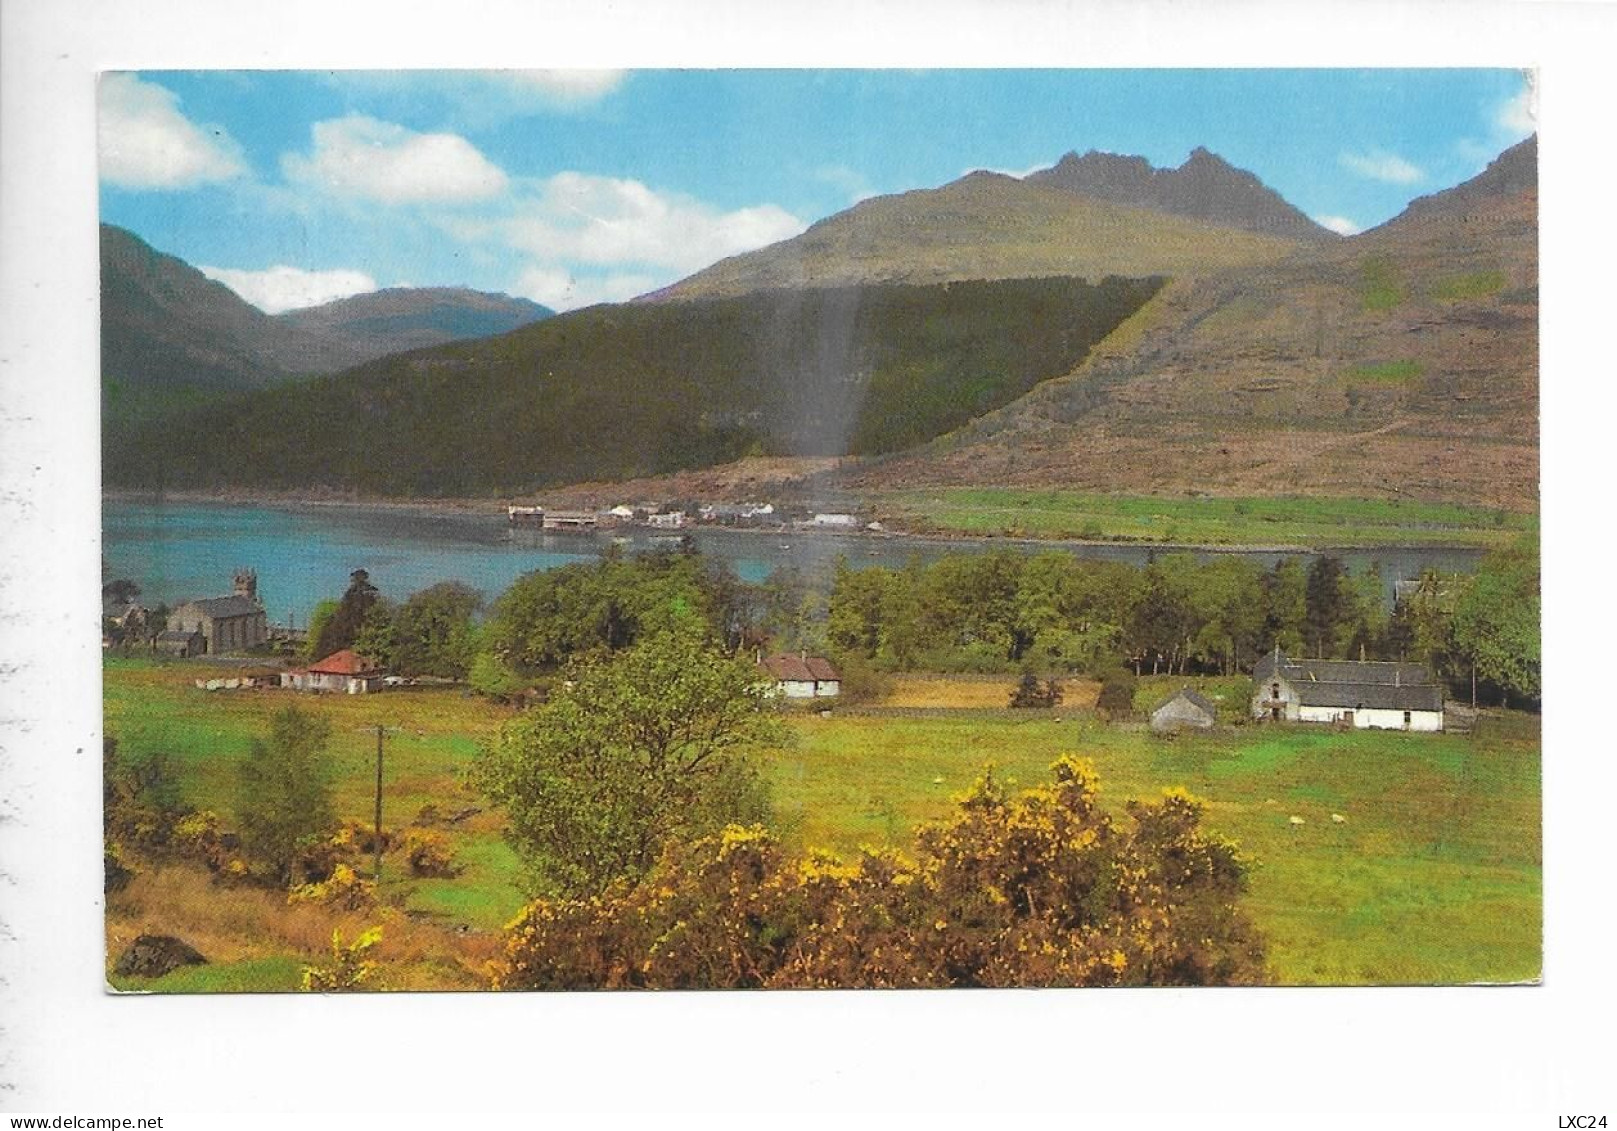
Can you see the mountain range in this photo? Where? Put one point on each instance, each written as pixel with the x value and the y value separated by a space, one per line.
pixel 170 335
pixel 1223 343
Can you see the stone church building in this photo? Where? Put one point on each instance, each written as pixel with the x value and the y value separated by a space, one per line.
pixel 226 624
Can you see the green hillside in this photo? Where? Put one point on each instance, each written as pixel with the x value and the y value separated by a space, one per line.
pixel 613 392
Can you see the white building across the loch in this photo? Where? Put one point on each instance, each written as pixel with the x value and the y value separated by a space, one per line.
pixel 1359 693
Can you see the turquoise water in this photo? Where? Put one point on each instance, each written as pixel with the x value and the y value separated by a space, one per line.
pixel 304 553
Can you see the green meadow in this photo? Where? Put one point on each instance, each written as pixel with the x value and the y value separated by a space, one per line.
pixel 1295 521
pixel 1432 874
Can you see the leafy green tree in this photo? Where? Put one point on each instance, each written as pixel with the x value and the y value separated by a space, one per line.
pixel 639 748
pixel 318 620
pixel 1422 624
pixel 854 615
pixel 433 631
pixel 1496 622
pixel 548 618
pixel 377 638
pixel 283 795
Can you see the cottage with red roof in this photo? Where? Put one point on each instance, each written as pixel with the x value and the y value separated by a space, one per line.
pixel 803 676
pixel 346 671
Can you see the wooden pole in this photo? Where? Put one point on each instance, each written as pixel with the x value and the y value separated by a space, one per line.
pixel 377 873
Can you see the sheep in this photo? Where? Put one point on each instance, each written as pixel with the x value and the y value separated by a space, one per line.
pixel 1337 818
pixel 1294 820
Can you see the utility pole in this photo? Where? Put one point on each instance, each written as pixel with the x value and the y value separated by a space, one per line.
pixel 377 873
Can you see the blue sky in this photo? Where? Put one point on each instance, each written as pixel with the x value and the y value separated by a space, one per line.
pixel 573 187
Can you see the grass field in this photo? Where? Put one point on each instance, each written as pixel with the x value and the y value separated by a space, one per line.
pixel 1299 521
pixel 1433 875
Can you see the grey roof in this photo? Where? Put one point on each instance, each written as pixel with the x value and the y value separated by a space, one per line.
pixel 1379 684
pixel 1192 696
pixel 1377 696
pixel 1341 671
pixel 233 606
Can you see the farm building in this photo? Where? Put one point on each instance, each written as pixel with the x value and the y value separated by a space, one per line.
pixel 1359 693
pixel 803 676
pixel 346 671
pixel 1186 710
pixel 227 624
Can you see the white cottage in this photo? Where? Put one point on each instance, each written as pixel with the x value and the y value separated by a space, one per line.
pixel 803 676
pixel 346 672
pixel 1360 693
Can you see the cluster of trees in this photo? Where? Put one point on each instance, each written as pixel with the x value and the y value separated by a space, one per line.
pixel 1054 612
pixel 1050 613
pixel 1039 889
pixel 433 632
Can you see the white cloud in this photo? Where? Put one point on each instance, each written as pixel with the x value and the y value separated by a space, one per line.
pixel 570 85
pixel 584 218
pixel 1341 225
pixel 146 143
pixel 367 159
pixel 281 288
pixel 561 289
pixel 1517 117
pixel 1379 165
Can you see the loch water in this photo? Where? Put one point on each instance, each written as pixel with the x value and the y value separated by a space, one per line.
pixel 303 553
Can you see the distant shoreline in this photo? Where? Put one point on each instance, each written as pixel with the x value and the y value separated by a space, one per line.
pixel 497 509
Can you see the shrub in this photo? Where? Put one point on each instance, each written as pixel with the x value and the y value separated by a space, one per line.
pixel 345 890
pixel 429 854
pixel 349 968
pixel 1116 700
pixel 1041 889
pixel 1030 692
pixel 116 872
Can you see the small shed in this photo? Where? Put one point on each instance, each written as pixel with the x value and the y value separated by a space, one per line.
pixel 1186 710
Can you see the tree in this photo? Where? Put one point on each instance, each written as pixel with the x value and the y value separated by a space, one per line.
pixel 283 799
pixel 549 618
pixel 637 749
pixel 1041 889
pixel 121 590
pixel 433 631
pixel 377 638
pixel 1496 621
pixel 1328 605
pixel 343 626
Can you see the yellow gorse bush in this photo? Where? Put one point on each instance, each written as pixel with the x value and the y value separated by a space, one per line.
pixel 1041 888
